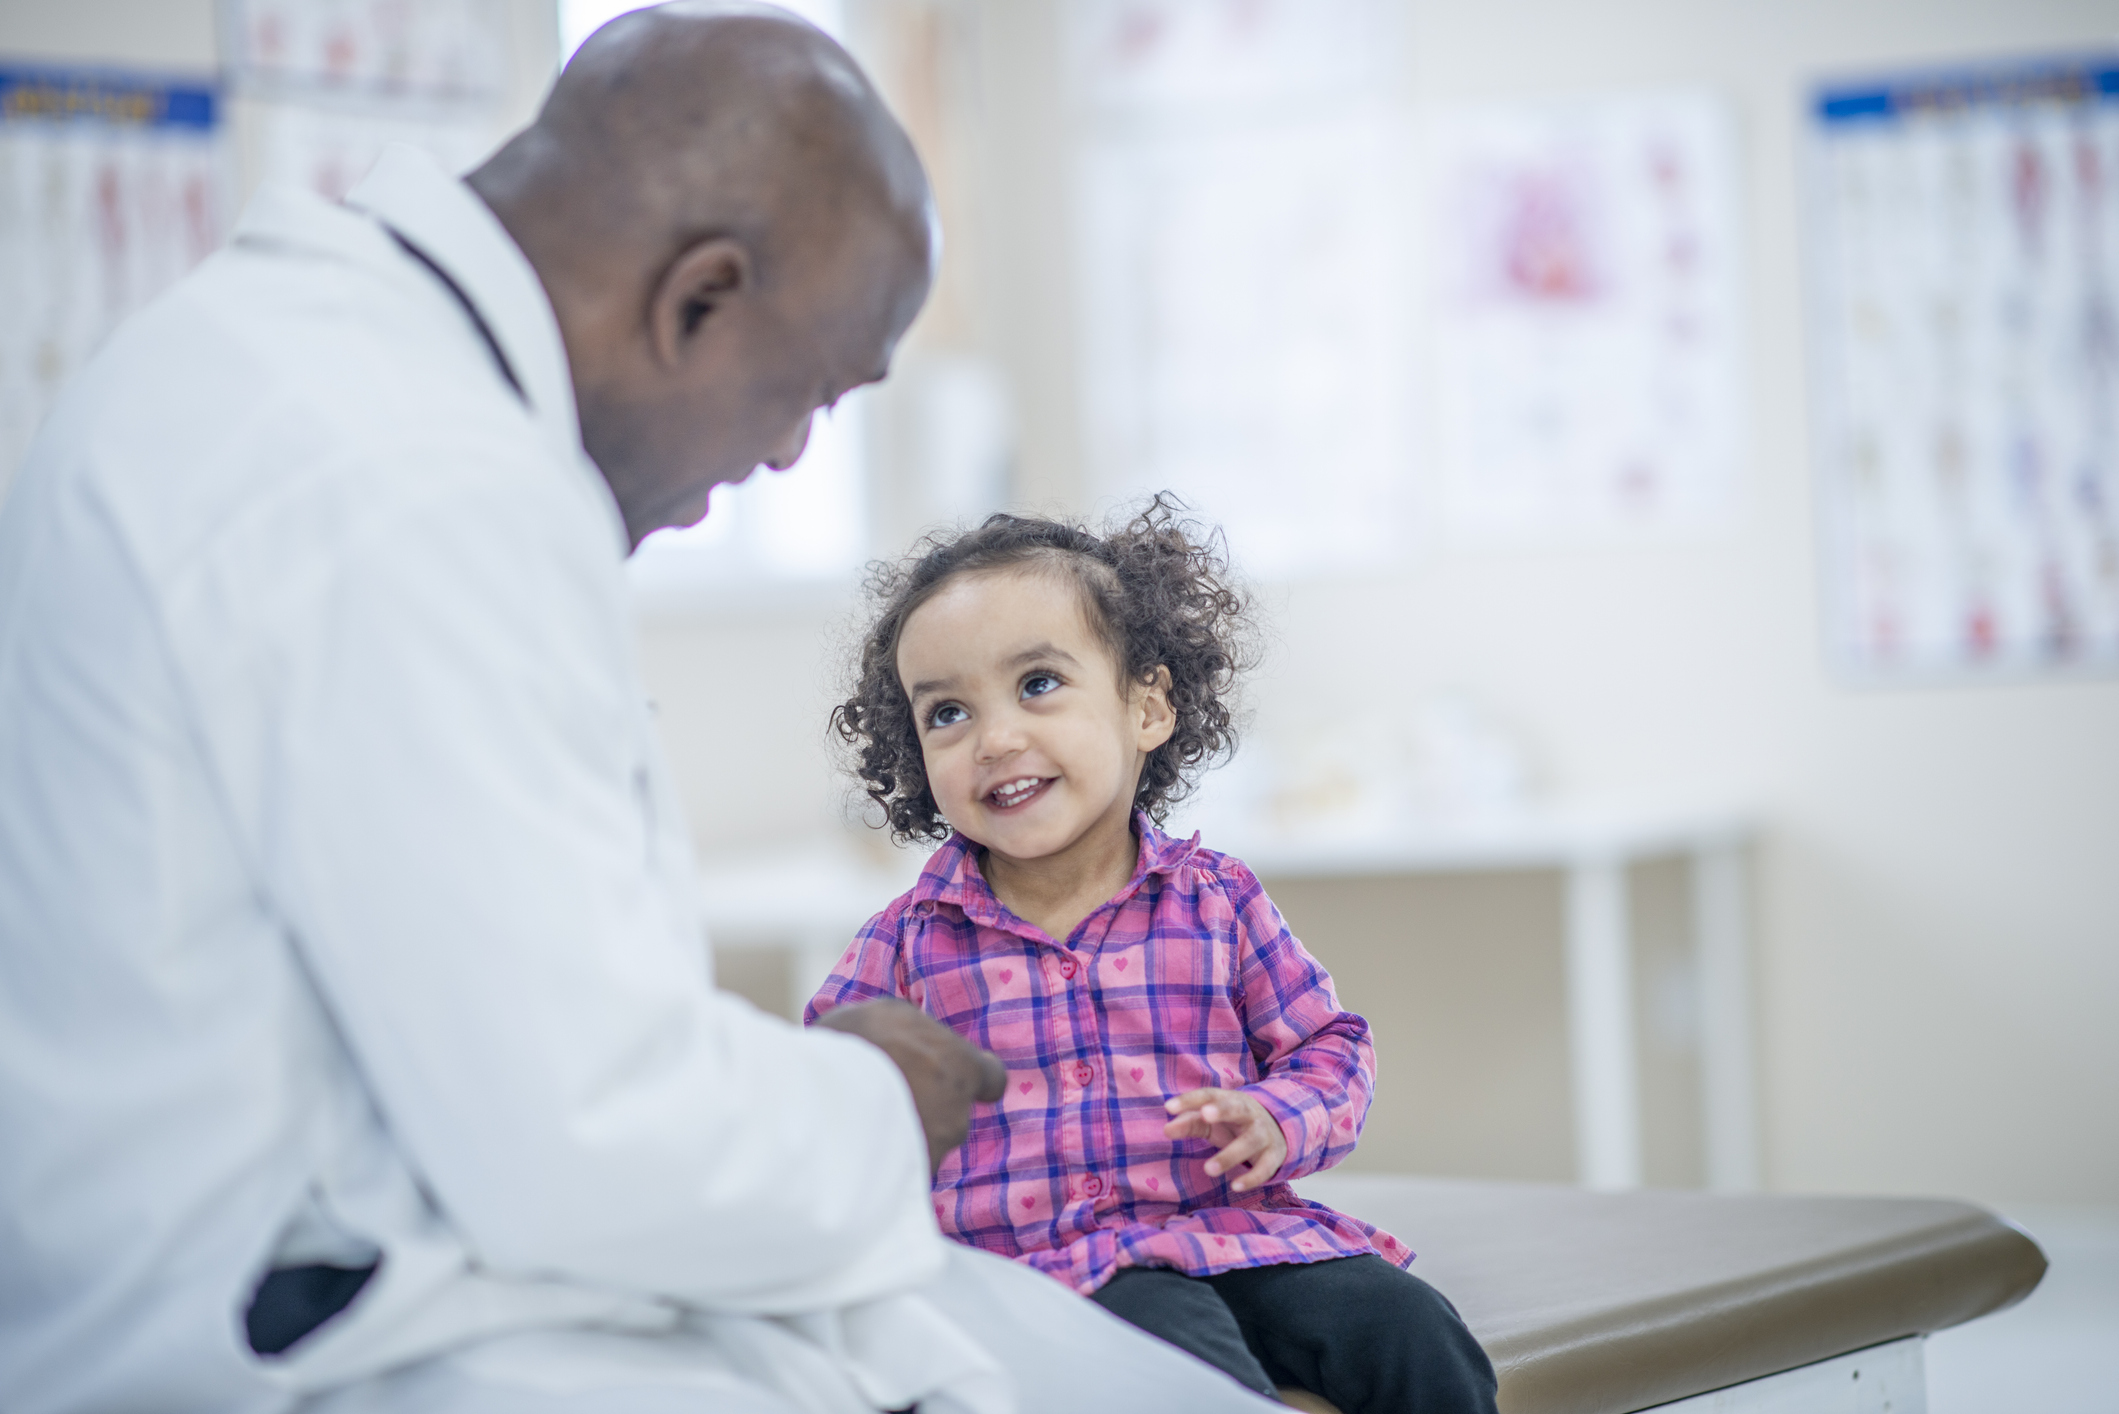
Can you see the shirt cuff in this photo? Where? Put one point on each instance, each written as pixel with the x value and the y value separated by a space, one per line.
pixel 1296 1119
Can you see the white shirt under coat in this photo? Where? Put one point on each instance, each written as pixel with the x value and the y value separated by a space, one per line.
pixel 344 904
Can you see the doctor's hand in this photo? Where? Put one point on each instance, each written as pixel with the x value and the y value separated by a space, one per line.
pixel 1242 1129
pixel 946 1072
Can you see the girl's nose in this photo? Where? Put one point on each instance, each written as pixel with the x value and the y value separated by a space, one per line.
pixel 998 741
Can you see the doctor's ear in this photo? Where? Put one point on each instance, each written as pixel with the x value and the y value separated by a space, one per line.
pixel 697 283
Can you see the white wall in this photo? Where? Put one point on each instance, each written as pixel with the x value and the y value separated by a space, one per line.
pixel 150 34
pixel 1939 887
pixel 1940 896
pixel 1940 902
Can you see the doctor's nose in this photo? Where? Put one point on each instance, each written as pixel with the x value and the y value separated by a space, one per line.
pixel 790 449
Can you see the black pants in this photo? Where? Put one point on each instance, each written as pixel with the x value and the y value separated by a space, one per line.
pixel 1367 1336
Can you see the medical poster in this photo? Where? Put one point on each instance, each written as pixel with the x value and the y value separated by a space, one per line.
pixel 1181 57
pixel 325 85
pixel 1965 255
pixel 1586 331
pixel 435 48
pixel 1240 272
pixel 111 187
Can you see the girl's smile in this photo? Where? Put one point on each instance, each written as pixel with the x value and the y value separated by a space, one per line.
pixel 1016 794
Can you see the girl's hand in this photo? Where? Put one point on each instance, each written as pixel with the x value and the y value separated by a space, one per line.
pixel 1240 1125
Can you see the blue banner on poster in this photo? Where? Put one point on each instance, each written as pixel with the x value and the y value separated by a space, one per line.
pixel 103 96
pixel 2065 83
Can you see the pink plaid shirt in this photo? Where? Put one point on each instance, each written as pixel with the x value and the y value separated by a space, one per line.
pixel 1187 978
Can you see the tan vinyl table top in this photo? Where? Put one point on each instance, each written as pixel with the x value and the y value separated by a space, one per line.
pixel 1600 1303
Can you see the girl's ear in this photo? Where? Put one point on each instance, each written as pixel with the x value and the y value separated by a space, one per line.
pixel 1152 703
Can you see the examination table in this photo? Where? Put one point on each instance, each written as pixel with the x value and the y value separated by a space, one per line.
pixel 1604 1303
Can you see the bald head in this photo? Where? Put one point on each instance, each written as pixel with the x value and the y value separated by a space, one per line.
pixel 733 232
pixel 680 120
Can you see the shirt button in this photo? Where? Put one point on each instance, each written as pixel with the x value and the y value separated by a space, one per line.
pixel 1067 968
pixel 1083 1074
pixel 1092 1186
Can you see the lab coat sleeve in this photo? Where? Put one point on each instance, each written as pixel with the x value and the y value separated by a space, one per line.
pixel 463 820
pixel 1316 1063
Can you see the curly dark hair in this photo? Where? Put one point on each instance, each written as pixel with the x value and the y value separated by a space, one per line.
pixel 1157 590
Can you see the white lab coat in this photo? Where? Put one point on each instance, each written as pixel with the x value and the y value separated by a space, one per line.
pixel 344 904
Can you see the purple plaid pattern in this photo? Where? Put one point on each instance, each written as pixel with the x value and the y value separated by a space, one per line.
pixel 1187 978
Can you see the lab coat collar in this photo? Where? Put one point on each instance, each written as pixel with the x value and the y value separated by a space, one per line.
pixel 408 192
pixel 952 875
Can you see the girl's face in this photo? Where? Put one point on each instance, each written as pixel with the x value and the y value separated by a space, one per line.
pixel 1033 746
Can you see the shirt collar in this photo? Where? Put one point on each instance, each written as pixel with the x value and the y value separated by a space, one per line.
pixel 952 875
pixel 408 191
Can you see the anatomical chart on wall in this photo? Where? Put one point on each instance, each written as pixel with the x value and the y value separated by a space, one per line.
pixel 1966 261
pixel 1239 271
pixel 111 187
pixel 327 84
pixel 438 48
pixel 1184 59
pixel 1586 323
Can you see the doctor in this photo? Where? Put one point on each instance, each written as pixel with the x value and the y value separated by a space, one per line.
pixel 357 1044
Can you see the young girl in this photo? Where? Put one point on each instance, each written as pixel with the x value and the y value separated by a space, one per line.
pixel 1037 696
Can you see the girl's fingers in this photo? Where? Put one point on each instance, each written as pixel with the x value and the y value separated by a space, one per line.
pixel 1273 1152
pixel 1193 1099
pixel 1243 1146
pixel 1211 1113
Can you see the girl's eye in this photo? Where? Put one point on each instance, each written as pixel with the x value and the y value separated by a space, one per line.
pixel 946 715
pixel 1038 684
